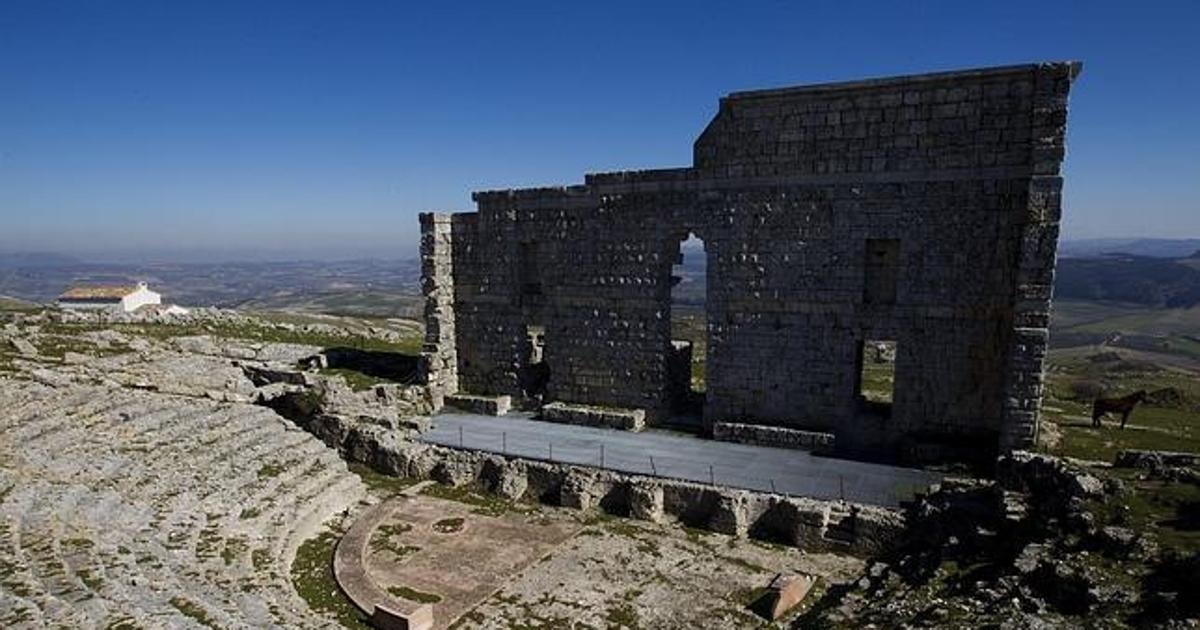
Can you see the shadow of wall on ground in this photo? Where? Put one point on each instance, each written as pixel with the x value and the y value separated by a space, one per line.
pixel 393 366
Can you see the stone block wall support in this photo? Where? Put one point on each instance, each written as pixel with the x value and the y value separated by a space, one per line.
pixel 439 358
pixel 1038 226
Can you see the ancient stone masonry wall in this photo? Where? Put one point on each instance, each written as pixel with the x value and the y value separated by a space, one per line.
pixel 1038 234
pixel 439 361
pixel 922 210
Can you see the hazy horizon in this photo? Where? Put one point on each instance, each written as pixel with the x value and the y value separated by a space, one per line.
pixel 233 256
pixel 307 131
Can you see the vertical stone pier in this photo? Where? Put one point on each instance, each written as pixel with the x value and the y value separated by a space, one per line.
pixel 439 358
pixel 1037 226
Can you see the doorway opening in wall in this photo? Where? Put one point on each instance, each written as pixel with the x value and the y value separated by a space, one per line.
pixel 689 330
pixel 877 376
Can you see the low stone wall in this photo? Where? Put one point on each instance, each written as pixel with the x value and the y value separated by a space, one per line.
pixel 607 417
pixel 1133 458
pixel 801 522
pixel 483 405
pixel 350 571
pixel 780 437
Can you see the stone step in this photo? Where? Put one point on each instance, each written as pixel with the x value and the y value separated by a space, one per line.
pixel 134 475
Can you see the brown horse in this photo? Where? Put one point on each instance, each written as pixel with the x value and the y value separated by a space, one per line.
pixel 1123 405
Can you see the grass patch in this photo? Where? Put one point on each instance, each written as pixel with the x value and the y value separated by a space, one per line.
pixel 260 559
pixel 623 615
pixel 1076 375
pixel 193 611
pixel 259 330
pixel 381 484
pixel 57 346
pixel 90 579
pixel 270 471
pixel 312 576
pixel 414 595
pixel 384 539
pixel 123 623
pixel 449 525
pixel 486 505
pixel 79 543
pixel 208 542
pixel 359 381
pixel 234 548
pixel 1167 511
pixel 745 564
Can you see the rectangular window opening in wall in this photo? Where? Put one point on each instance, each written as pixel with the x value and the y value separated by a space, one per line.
pixel 877 376
pixel 881 269
pixel 529 274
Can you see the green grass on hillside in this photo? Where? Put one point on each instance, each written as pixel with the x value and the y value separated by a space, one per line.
pixel 1076 376
pixel 1173 331
pixel 13 304
pixel 250 332
pixel 690 324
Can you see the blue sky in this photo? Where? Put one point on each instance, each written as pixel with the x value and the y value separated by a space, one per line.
pixel 290 129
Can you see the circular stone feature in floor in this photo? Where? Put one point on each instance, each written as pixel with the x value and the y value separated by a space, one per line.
pixel 419 550
pixel 449 525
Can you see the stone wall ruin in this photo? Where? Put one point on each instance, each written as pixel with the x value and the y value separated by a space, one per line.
pixel 920 209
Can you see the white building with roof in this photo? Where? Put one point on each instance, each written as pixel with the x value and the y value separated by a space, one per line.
pixel 120 298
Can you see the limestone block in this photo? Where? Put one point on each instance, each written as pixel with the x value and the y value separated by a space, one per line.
pixel 587 415
pixel 646 501
pixel 454 471
pixel 786 591
pixel 580 490
pixel 23 347
pixel 505 478
pixel 483 405
pixel 779 437
pixel 418 618
pixel 731 514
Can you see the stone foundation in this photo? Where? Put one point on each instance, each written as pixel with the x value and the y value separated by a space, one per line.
pixel 779 437
pixel 801 522
pixel 610 418
pixel 483 405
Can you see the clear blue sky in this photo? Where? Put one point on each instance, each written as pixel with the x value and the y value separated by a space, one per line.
pixel 291 129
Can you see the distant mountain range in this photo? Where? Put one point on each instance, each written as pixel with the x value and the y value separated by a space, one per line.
pixel 381 287
pixel 1157 273
pixel 1155 282
pixel 36 259
pixel 1149 247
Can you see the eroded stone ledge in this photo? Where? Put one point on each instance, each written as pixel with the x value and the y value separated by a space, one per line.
pixel 779 437
pixel 483 405
pixel 606 417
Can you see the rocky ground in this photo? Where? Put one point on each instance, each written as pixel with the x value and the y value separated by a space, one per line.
pixel 144 483
pixel 140 486
pixel 620 574
pixel 1051 543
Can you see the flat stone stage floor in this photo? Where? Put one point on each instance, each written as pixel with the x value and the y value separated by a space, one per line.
pixel 486 564
pixel 448 554
pixel 678 456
